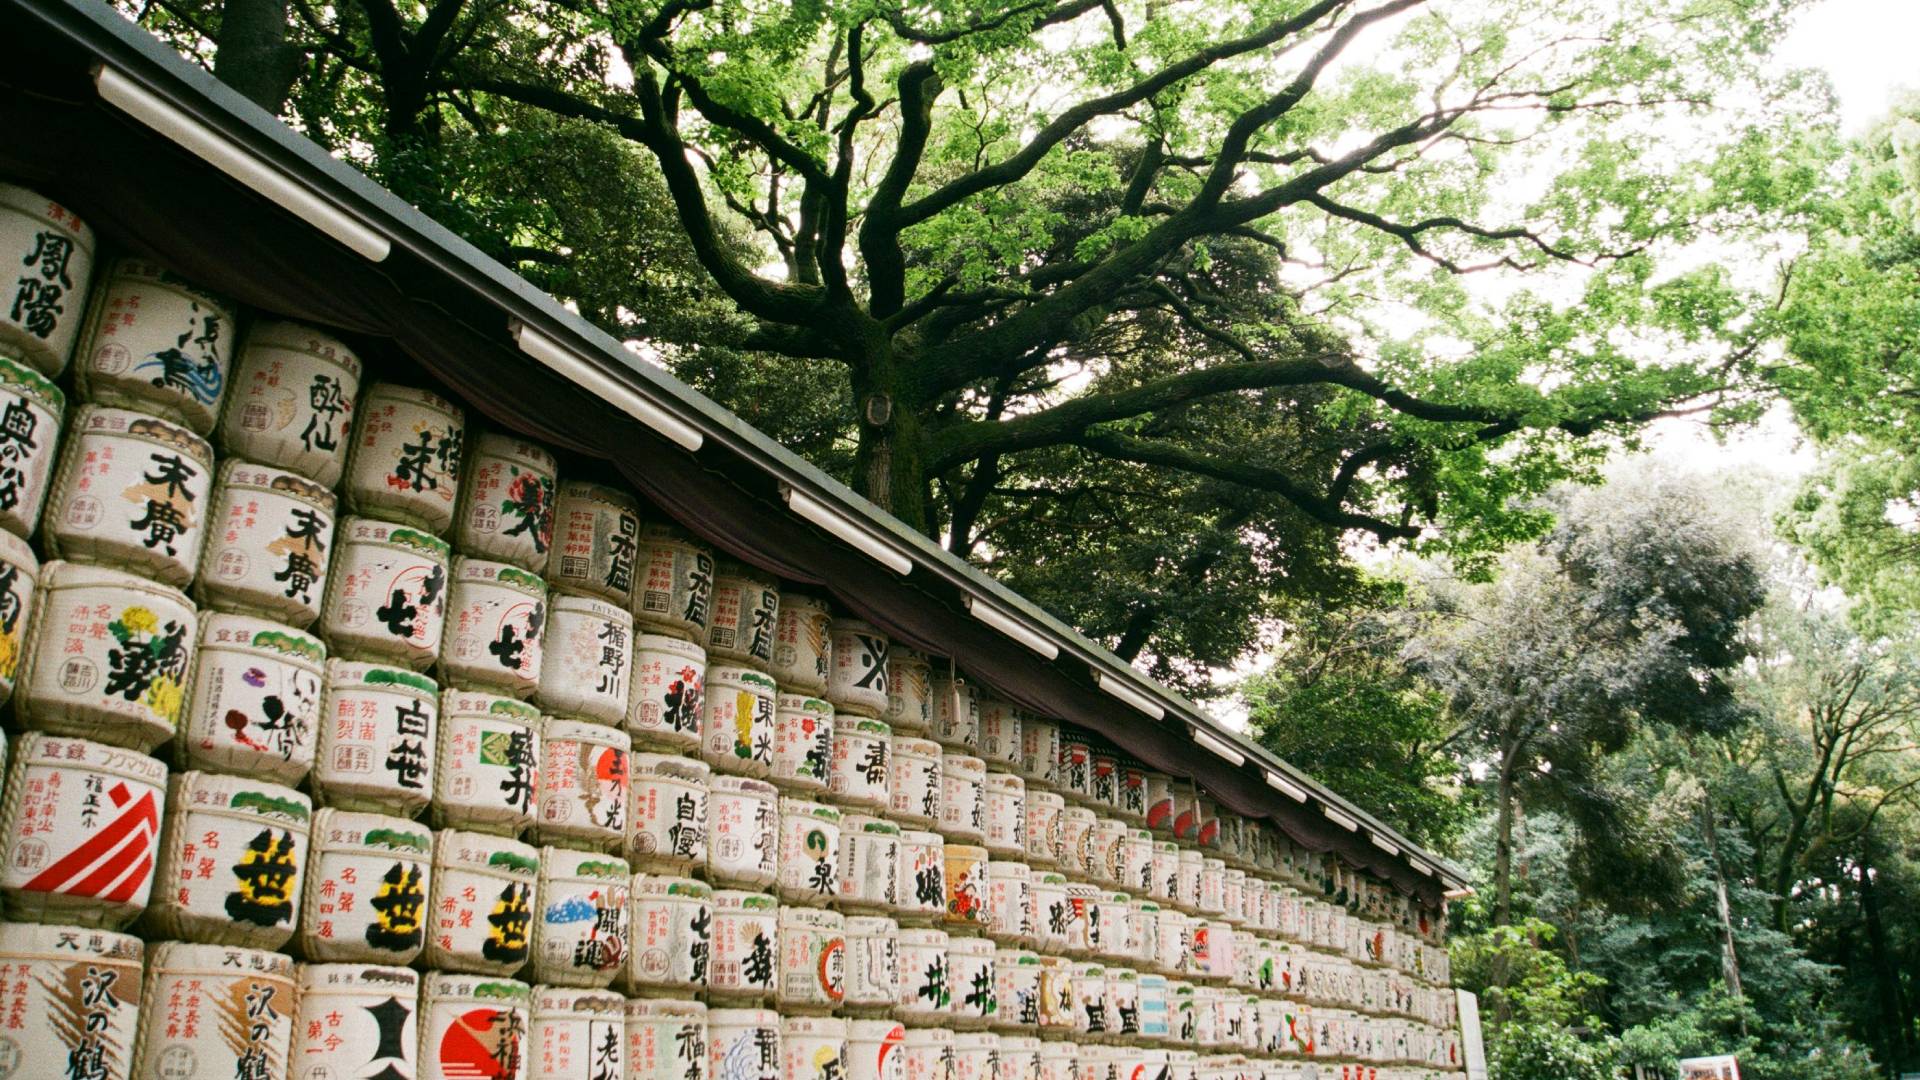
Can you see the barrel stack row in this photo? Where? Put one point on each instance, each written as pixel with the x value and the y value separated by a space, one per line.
pixel 403 698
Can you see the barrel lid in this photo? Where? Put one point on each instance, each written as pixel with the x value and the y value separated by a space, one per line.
pixel 33 204
pixel 235 472
pixel 30 384
pixel 471 571
pixel 742 1018
pixel 742 785
pixel 560 728
pixel 669 767
pixel 60 574
pixel 486 852
pixel 743 900
pixel 514 448
pixel 290 336
pixel 139 425
pixel 455 701
pixel 680 647
pixel 186 956
pixel 804 808
pixel 660 885
pixel 195 790
pixel 805 703
pixel 645 1008
pixel 319 978
pixel 594 492
pixel 592 605
pixel 559 861
pixel 24 940
pixel 448 984
pixel 373 530
pixel 219 628
pixel 17 553
pixel 334 826
pixel 39 748
pixel 847 625
pixel 414 395
pixel 557 1001
pixel 360 674
pixel 720 674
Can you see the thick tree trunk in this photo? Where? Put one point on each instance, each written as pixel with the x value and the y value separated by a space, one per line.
pixel 890 461
pixel 1503 849
pixel 1893 1005
pixel 253 56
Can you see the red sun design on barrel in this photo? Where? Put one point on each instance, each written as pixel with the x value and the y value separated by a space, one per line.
pixel 480 1046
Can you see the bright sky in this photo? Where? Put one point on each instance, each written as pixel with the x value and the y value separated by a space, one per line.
pixel 1866 48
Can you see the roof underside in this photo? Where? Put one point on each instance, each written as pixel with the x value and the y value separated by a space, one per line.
pixel 437 304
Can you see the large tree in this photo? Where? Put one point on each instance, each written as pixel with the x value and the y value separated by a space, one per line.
pixel 1176 290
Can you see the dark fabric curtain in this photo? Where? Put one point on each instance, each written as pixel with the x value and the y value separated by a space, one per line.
pixel 144 195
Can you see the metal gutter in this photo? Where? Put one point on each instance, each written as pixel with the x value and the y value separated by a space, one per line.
pixel 606 367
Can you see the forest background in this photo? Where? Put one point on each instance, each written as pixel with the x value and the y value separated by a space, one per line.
pixel 1304 352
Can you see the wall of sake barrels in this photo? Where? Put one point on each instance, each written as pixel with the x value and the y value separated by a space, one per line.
pixel 355 738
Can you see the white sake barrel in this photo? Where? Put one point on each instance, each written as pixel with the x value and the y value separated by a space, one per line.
pixel 386 594
pixel 1016 989
pixel 966 887
pixel 486 774
pixel 586 672
pixel 376 745
pixel 1106 778
pixel 923 877
pixel 156 343
pixel 107 655
pixel 1186 883
pixel 1052 913
pixel 668 695
pixel 974 1053
pixel 584 785
pixel 667 817
pixel 505 512
pixel 926 995
pixel 1010 903
pixel 52 251
pixel 1056 1002
pixel 909 691
pixel 956 713
pixel 1108 928
pixel 802 645
pixel 1133 860
pixel 1006 815
pixel 744 1044
pixel 131 491
pixel 1020 1058
pixel 474 1026
pixel 813 1048
pixel 1213 884
pixel 963 797
pixel 672 936
pixel 368 879
pixel 232 852
pixel 746 607
pixel 245 1001
pixel 813 960
pixel 876 1050
pixel 495 629
pixel 913 796
pixel 802 743
pixel 361 1010
pixel 1075 781
pixel 255 703
pixel 405 461
pixel 736 721
pixel 1160 802
pixel 31 412
pixel 1000 732
pixel 1130 791
pixel 1143 933
pixel 809 859
pixel 1123 997
pixel 485 899
pixel 269 538
pixel 869 873
pixel 1164 874
pixel 1082 899
pixel 929 1054
pixel 292 401
pixel 582 932
pixel 71 995
pixel 1233 896
pixel 743 832
pixel 1155 1019
pixel 1043 832
pixel 596 542
pixel 666 1039
pixel 860 768
pixel 1039 763
pixel 81 827
pixel 746 937
pixel 674 591
pixel 577 1034
pixel 873 964
pixel 1076 841
pixel 857 679
pixel 1090 1012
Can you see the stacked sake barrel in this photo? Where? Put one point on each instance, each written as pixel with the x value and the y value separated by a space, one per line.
pixel 362 740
